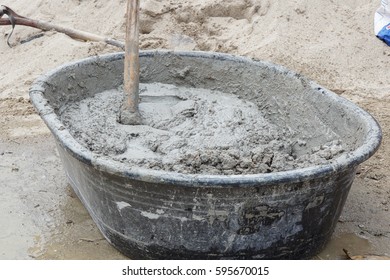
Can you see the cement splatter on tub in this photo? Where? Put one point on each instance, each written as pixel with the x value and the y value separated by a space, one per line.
pixel 191 130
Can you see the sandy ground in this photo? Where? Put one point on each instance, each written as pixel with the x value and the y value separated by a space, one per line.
pixel 331 42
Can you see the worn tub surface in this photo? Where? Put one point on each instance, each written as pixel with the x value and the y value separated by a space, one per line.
pixel 164 215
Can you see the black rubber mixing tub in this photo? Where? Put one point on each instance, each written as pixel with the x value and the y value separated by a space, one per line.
pixel 164 215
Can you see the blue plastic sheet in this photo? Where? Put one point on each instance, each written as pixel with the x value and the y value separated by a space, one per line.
pixel 382 22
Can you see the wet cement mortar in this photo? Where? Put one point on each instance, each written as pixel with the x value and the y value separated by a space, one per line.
pixel 193 131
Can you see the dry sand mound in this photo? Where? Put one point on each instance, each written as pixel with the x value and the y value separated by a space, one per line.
pixel 329 42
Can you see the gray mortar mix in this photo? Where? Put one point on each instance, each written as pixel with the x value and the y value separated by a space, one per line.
pixel 189 130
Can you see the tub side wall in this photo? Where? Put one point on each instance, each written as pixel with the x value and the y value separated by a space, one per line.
pixel 78 81
pixel 164 221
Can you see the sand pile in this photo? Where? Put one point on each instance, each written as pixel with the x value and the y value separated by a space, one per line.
pixel 329 42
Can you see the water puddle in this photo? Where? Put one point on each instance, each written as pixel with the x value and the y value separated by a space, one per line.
pixel 354 244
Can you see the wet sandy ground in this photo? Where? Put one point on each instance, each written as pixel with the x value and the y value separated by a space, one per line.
pixel 41 217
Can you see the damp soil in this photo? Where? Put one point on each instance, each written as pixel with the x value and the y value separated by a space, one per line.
pixel 193 131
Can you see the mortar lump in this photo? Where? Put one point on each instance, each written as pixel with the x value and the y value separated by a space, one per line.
pixel 187 130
